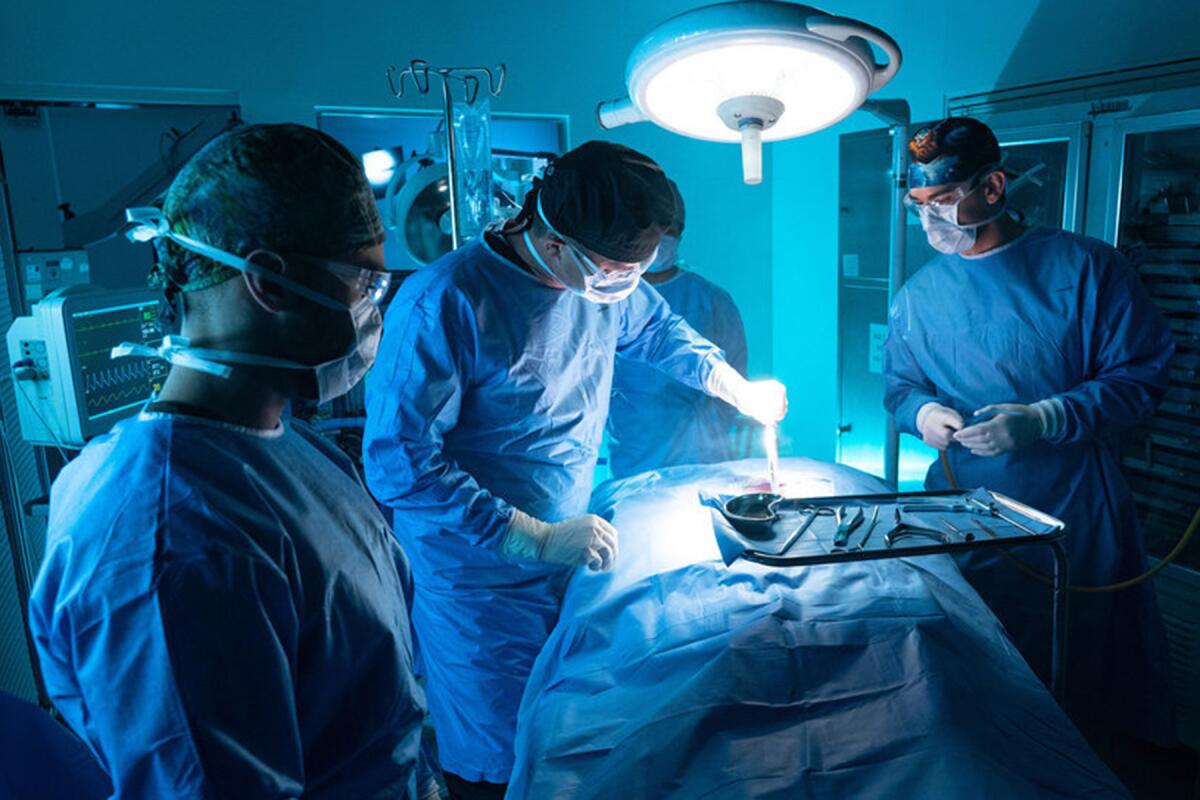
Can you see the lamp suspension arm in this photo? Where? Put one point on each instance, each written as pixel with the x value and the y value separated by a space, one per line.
pixel 842 29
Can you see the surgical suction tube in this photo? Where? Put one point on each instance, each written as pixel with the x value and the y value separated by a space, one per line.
pixel 1188 533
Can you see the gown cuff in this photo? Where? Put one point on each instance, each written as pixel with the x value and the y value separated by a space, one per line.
pixel 923 412
pixel 1053 416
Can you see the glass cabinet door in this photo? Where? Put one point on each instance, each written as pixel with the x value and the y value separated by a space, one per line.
pixel 1158 228
pixel 1038 180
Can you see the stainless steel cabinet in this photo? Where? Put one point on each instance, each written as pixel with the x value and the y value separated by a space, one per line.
pixel 1157 224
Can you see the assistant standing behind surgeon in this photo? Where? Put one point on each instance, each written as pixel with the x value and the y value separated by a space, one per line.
pixel 1021 352
pixel 656 422
pixel 484 418
pixel 221 609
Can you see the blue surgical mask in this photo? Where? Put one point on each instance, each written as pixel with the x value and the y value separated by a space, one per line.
pixel 668 254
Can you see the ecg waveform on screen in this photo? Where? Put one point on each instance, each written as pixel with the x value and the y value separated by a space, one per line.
pixel 112 385
pixel 123 383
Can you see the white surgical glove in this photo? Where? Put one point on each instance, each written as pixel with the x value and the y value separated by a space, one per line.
pixel 583 540
pixel 765 401
pixel 938 425
pixel 1013 427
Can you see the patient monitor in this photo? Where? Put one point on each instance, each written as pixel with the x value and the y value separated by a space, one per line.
pixel 68 387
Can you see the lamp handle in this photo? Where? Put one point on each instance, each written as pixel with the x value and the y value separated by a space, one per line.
pixel 842 29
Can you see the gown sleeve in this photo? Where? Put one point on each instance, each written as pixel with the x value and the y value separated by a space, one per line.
pixel 183 688
pixel 653 334
pixel 730 332
pixel 414 397
pixel 906 387
pixel 1128 347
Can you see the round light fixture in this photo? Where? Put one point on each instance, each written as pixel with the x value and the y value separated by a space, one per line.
pixel 379 166
pixel 752 71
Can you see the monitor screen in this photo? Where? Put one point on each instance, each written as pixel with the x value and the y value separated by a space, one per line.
pixel 110 387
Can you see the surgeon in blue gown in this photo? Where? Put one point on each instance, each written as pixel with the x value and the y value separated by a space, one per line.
pixel 221 610
pixel 1021 352
pixel 484 418
pixel 656 422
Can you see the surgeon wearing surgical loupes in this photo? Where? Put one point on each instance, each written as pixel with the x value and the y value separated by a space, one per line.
pixel 1020 352
pixel 485 413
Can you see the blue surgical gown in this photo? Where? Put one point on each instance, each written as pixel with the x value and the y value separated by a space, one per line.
pixel 1052 315
pixel 221 613
pixel 490 392
pixel 656 422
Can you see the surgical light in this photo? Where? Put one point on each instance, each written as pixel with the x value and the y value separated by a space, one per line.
pixel 752 71
pixel 379 166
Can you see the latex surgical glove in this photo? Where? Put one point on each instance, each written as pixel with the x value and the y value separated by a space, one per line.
pixel 938 425
pixel 582 540
pixel 764 401
pixel 1014 426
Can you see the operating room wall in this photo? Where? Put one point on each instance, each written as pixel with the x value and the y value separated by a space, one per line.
pixel 773 246
pixel 949 49
pixel 283 59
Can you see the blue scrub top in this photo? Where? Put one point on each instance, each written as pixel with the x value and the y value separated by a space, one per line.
pixel 1051 315
pixel 490 392
pixel 656 422
pixel 221 613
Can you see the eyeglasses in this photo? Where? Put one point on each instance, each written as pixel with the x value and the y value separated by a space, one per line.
pixel 620 271
pixel 372 283
pixel 951 197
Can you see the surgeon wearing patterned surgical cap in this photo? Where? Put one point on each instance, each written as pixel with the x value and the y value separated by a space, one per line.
pixel 221 610
pixel 1021 353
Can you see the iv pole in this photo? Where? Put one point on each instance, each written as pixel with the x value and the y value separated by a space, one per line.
pixel 419 71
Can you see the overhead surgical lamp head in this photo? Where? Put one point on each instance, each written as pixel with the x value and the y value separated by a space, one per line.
pixel 751 71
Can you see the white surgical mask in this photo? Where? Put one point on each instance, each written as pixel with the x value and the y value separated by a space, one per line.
pixel 940 222
pixel 329 379
pixel 585 278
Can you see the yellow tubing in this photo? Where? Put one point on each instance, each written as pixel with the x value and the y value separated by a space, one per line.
pixel 1112 587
